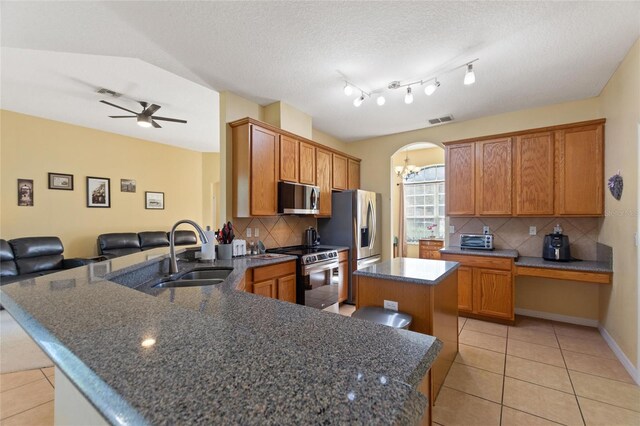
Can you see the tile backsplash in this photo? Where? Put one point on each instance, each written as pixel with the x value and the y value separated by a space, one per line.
pixel 513 233
pixel 275 231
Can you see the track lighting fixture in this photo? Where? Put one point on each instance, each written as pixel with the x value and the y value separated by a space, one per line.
pixel 470 76
pixel 408 98
pixel 431 85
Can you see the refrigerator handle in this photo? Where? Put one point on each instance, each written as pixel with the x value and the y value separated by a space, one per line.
pixel 372 209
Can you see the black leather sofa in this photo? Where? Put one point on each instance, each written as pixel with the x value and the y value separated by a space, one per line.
pixel 29 257
pixel 123 243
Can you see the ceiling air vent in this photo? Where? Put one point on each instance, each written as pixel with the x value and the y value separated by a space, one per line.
pixel 441 120
pixel 108 92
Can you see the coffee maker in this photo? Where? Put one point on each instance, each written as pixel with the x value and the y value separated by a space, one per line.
pixel 311 237
pixel 556 246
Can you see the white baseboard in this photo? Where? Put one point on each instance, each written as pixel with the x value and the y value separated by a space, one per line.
pixel 626 363
pixel 557 317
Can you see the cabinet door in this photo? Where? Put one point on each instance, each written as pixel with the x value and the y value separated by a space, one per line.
pixel 493 293
pixel 460 180
pixel 354 174
pixel 340 172
pixel 323 180
pixel 493 177
pixel 343 281
pixel 534 168
pixel 288 159
pixel 266 288
pixel 465 289
pixel 307 167
pixel 264 175
pixel 579 171
pixel 287 288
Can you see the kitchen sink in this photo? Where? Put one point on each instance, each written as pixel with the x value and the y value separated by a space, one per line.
pixel 196 278
pixel 189 283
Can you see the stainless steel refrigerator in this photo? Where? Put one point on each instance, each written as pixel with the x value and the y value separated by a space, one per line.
pixel 355 222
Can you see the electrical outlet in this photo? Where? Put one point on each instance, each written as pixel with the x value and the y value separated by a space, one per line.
pixel 485 230
pixel 533 230
pixel 390 304
pixel 257 233
pixel 248 232
pixel 452 229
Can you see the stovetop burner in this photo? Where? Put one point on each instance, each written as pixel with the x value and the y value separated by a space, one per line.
pixel 307 255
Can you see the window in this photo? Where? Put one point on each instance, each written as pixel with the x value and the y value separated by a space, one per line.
pixel 424 204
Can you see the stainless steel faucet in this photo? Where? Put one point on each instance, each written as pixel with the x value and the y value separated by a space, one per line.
pixel 173 263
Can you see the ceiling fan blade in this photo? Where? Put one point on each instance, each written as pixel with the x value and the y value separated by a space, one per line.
pixel 156 125
pixel 123 116
pixel 117 106
pixel 151 109
pixel 176 120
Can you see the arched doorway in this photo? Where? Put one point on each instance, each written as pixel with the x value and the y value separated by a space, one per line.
pixel 417 196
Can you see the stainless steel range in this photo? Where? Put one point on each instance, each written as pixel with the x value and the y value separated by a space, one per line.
pixel 316 284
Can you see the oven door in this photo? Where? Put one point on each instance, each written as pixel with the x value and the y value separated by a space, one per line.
pixel 319 285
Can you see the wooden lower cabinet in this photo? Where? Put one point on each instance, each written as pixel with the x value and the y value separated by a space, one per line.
pixel 485 286
pixel 276 281
pixel 430 249
pixel 343 281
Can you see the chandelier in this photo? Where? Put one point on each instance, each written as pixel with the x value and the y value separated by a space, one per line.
pixel 407 170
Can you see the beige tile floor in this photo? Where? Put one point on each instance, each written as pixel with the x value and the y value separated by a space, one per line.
pixel 535 373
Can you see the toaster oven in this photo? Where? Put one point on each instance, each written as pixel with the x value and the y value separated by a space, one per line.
pixel 476 241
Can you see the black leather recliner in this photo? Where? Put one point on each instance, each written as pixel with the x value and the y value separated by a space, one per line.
pixel 121 244
pixel 29 257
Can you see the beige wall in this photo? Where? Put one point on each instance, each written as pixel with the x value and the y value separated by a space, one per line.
pixel 211 189
pixel 31 147
pixel 286 117
pixel 420 158
pixel 621 106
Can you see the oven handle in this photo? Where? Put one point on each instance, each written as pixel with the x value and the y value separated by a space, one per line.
pixel 319 267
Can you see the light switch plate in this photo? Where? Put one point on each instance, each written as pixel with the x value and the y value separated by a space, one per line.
pixel 390 304
pixel 257 233
pixel 452 229
pixel 485 230
pixel 533 230
pixel 248 232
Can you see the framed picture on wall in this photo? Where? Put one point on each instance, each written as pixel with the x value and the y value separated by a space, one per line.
pixel 60 181
pixel 25 192
pixel 98 192
pixel 127 185
pixel 154 200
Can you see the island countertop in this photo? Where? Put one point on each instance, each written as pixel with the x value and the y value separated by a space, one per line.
pixel 220 355
pixel 410 270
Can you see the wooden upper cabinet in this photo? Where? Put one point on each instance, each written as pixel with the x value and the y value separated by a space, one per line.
pixel 533 174
pixel 307 163
pixel 264 176
pixel 580 171
pixel 493 177
pixel 340 172
pixel 324 180
pixel 460 179
pixel 288 159
pixel 354 174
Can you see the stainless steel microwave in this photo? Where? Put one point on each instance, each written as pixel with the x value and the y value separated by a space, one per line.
pixel 294 198
pixel 476 241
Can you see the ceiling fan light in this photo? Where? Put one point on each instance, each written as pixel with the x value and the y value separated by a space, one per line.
pixel 358 101
pixel 381 100
pixel 408 98
pixel 470 76
pixel 144 121
pixel 348 90
pixel 431 88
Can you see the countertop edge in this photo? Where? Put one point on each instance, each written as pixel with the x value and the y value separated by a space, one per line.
pixel 507 253
pixel 592 266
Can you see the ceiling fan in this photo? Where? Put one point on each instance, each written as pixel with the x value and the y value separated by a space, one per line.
pixel 146 117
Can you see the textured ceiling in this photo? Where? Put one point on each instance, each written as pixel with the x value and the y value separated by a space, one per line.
pixel 531 53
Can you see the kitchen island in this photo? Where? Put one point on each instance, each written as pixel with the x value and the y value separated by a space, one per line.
pixel 215 354
pixel 425 289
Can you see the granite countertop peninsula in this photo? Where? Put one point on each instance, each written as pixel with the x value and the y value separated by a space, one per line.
pixel 410 270
pixel 489 253
pixel 221 355
pixel 582 266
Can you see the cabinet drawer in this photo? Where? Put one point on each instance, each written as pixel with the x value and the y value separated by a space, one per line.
pixel 343 256
pixel 431 243
pixel 273 271
pixel 480 261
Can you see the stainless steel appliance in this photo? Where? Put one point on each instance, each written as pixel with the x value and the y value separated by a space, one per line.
pixel 316 283
pixel 311 237
pixel 556 246
pixel 356 223
pixel 294 198
pixel 476 241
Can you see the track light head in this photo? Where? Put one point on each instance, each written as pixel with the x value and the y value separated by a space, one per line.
pixel 470 76
pixel 381 100
pixel 358 101
pixel 432 87
pixel 408 98
pixel 348 90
